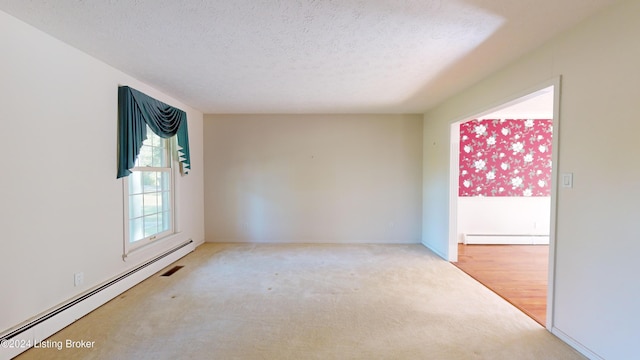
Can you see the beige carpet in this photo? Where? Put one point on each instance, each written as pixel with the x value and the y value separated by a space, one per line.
pixel 309 302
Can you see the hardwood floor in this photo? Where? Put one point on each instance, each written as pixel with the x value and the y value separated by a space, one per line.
pixel 518 273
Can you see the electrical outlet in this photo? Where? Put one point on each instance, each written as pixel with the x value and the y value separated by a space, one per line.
pixel 78 279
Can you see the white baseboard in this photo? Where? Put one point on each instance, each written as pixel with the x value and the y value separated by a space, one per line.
pixel 40 329
pixel 576 345
pixel 505 239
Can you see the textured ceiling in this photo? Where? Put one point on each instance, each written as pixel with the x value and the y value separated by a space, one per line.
pixel 313 56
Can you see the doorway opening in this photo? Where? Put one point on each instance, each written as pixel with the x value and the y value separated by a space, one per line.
pixel 503 186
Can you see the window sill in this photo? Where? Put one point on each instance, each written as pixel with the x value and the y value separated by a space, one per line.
pixel 144 252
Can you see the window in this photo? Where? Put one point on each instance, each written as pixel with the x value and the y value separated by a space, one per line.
pixel 149 194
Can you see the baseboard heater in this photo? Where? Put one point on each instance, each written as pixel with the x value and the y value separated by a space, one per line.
pixel 505 239
pixel 94 298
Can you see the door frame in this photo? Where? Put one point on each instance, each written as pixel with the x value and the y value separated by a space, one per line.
pixel 556 83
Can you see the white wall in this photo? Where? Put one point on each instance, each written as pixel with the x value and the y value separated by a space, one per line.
pixel 596 286
pixel 502 215
pixel 62 207
pixel 313 178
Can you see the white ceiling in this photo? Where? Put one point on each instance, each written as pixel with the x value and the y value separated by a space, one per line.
pixel 537 105
pixel 305 56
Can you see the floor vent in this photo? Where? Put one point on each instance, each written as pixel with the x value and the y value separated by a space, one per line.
pixel 172 270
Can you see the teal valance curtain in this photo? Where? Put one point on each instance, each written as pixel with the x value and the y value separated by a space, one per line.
pixel 137 110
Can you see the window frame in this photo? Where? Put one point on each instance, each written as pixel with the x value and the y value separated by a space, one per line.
pixel 129 246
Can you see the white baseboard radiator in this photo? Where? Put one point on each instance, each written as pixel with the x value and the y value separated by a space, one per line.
pixel 35 331
pixel 505 239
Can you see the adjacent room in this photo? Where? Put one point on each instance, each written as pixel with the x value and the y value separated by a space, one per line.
pixel 502 172
pixel 189 179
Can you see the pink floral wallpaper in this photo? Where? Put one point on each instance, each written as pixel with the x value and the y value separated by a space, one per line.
pixel 504 157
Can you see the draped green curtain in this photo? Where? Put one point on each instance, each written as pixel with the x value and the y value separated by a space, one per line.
pixel 137 110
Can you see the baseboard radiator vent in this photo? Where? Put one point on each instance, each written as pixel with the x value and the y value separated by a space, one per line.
pixel 48 324
pixel 505 239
